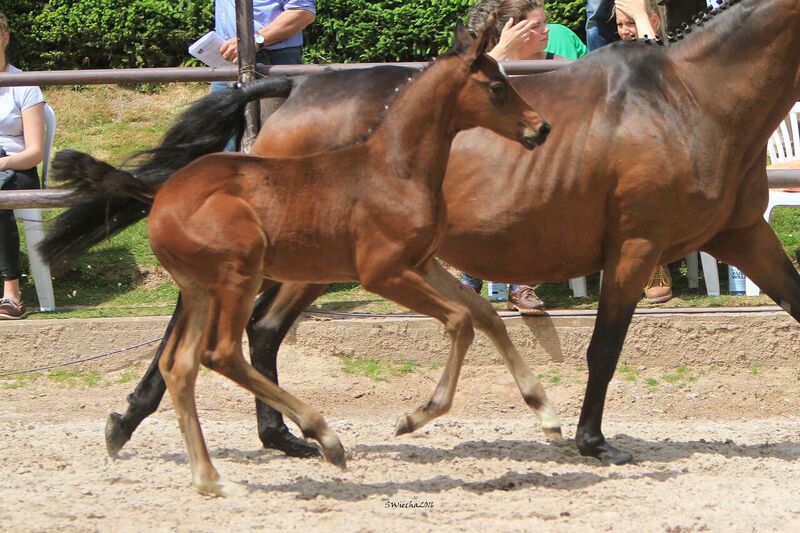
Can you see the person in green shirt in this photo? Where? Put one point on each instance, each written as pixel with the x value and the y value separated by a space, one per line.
pixel 564 42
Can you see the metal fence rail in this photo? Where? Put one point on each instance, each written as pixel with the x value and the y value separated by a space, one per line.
pixel 778 179
pixel 186 74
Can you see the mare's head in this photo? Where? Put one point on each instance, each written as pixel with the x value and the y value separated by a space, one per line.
pixel 488 100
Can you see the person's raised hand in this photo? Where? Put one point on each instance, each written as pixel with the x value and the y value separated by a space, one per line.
pixel 512 37
pixel 230 50
pixel 632 8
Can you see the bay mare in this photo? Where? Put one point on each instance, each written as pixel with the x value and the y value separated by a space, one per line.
pixel 656 151
pixel 226 225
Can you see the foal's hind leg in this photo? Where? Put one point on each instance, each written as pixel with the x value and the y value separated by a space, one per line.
pixel 272 318
pixel 225 356
pixel 487 321
pixel 179 365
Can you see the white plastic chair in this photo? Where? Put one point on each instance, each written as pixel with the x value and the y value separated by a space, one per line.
pixel 34 227
pixel 578 285
pixel 783 147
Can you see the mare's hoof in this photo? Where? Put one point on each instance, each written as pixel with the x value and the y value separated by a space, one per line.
pixel 403 426
pixel 116 435
pixel 221 487
pixel 553 434
pixel 607 454
pixel 281 439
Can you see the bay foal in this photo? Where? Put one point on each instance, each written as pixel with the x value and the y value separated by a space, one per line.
pixel 225 225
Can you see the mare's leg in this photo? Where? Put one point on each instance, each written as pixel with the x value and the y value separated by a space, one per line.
pixel 486 320
pixel 756 251
pixel 143 401
pixel 415 290
pixel 273 316
pixel 623 279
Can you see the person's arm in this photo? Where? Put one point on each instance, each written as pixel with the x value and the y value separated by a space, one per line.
pixel 511 38
pixel 638 12
pixel 281 28
pixel 33 132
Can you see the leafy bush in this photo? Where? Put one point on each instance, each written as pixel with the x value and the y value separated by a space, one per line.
pixel 401 30
pixel 67 34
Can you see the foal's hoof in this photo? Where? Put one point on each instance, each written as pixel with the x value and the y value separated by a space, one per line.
pixel 607 454
pixel 281 439
pixel 553 434
pixel 221 487
pixel 333 451
pixel 116 435
pixel 403 426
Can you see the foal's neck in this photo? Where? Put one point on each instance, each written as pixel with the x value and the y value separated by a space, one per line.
pixel 419 126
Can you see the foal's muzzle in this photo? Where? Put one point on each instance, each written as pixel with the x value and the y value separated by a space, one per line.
pixel 531 138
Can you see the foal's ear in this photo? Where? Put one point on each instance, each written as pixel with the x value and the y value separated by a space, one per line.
pixel 463 40
pixel 467 47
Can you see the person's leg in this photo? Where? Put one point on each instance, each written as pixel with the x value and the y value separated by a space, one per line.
pixel 11 306
pixel 230 146
pixel 659 287
pixel 292 55
pixel 523 299
pixel 472 282
pixel 600 26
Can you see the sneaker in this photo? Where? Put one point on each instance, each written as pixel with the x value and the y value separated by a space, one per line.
pixel 524 301
pixel 659 288
pixel 11 310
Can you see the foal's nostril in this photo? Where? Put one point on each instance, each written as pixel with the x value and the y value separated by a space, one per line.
pixel 544 130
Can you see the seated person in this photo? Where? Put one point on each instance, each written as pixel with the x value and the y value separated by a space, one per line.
pixel 22 141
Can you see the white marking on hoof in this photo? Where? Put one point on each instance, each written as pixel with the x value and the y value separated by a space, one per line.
pixel 221 487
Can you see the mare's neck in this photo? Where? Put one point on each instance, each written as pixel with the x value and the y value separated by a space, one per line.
pixel 744 64
pixel 415 135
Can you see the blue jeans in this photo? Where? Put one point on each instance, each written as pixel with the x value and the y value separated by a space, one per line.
pixel 292 55
pixel 477 283
pixel 601 28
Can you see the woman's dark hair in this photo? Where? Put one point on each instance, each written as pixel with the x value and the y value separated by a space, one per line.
pixel 505 9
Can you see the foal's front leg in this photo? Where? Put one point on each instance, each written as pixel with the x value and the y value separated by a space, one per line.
pixel 487 321
pixel 413 289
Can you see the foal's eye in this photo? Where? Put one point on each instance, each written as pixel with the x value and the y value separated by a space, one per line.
pixel 497 88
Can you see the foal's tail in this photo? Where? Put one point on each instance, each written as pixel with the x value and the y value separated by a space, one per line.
pixel 108 199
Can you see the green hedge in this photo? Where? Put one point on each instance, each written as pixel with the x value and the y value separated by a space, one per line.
pixel 66 34
pixel 401 30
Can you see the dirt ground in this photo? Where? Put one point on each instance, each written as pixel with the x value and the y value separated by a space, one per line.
pixel 717 449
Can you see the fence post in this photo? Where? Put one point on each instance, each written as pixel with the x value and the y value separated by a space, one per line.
pixel 247 68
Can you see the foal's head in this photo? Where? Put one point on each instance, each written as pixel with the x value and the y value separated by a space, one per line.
pixel 487 99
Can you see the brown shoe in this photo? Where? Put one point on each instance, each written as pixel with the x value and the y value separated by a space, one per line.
pixel 525 301
pixel 659 288
pixel 11 310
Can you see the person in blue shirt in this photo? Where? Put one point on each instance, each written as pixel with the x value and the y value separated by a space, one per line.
pixel 277 32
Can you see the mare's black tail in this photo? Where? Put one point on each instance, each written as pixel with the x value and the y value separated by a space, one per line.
pixel 108 199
